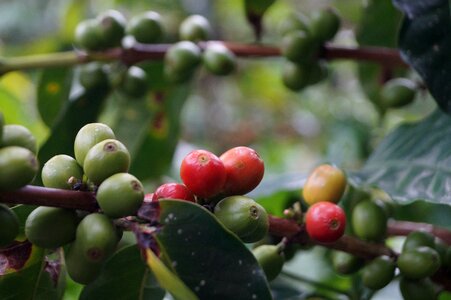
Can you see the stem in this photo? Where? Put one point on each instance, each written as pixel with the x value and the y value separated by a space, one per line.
pixel 35 195
pixel 142 52
pixel 405 227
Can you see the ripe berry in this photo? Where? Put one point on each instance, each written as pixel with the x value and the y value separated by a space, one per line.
pixel 18 135
pixel 51 227
pixel 174 191
pixel 105 159
pixel 299 46
pixel 120 195
pixel 325 222
pixel 324 24
pixel 88 35
pixel 419 263
pixel 244 169
pixel 93 76
pixel 378 273
pixel 18 167
pixel 9 225
pixel 325 183
pixel 146 28
pixel 88 136
pixel 150 197
pixel 218 59
pixel 134 83
pixel 195 28
pixel 397 93
pixel 203 173
pixel 97 237
pixel 369 221
pixel 112 27
pixel 180 61
pixel 244 217
pixel 271 260
pixel 345 263
pixel 57 171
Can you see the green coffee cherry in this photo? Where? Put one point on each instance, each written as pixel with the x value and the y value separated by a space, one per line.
pixel 442 248
pixel 271 260
pixel 293 22
pixel 134 83
pixel 419 263
pixel 88 35
pixel 369 221
pixel 324 24
pixel 345 263
pixel 79 269
pixel 120 195
pixel 318 72
pixel 295 76
pixel 97 237
pixel 112 27
pixel 9 226
pixel 57 171
pixel 18 135
pixel 218 59
pixel 417 239
pixel 378 273
pixel 105 159
pixel 418 289
pixel 51 227
pixel 93 76
pixel 18 167
pixel 88 136
pixel 397 93
pixel 195 28
pixel 244 217
pixel 181 60
pixel 299 46
pixel 146 28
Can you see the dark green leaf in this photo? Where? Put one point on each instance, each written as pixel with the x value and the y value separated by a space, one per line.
pixel 125 276
pixel 413 162
pixel 425 43
pixel 82 109
pixel 373 32
pixel 195 243
pixel 53 92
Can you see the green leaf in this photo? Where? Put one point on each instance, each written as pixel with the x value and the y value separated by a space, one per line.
pixel 195 243
pixel 22 274
pixel 425 44
pixel 373 32
pixel 53 91
pixel 168 279
pixel 255 9
pixel 81 109
pixel 125 276
pixel 412 163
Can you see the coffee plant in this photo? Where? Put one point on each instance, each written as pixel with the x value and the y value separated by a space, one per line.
pixel 234 150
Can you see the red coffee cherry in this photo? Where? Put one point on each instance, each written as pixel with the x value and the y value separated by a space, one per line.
pixel 325 222
pixel 244 169
pixel 203 173
pixel 150 197
pixel 174 191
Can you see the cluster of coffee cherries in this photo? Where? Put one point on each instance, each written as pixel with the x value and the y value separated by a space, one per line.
pixel 18 167
pixel 422 254
pixel 101 166
pixel 220 184
pixel 302 38
pixel 110 29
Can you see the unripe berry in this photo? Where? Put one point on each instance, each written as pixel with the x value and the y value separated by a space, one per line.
pixel 88 35
pixel 112 26
pixel 134 83
pixel 299 46
pixel 378 273
pixel 9 225
pixel 369 221
pixel 195 28
pixel 293 22
pixel 218 59
pixel 418 289
pixel 325 183
pixel 397 93
pixel 271 260
pixel 18 135
pixel 146 28
pixel 57 171
pixel 180 61
pixel 324 24
pixel 419 263
pixel 93 76
pixel 88 136
pixel 18 167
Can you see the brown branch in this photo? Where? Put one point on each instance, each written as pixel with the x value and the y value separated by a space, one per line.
pixel 40 196
pixel 405 227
